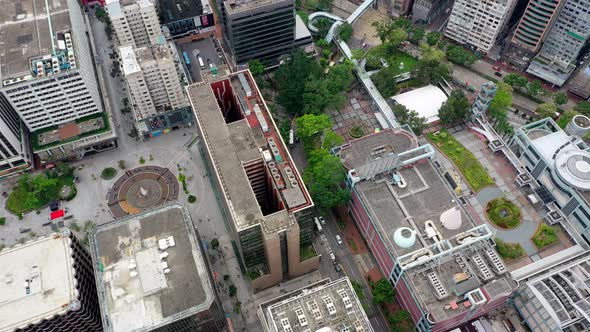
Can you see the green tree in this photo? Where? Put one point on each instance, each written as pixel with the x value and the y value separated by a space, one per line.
pixel 401 321
pixel 534 88
pixel 385 81
pixel 214 244
pixel 417 35
pixel 515 80
pixel 321 94
pixel 325 5
pixel 323 176
pixel 402 23
pixel 291 78
pixel 560 98
pixel 390 34
pixel 331 140
pixel 344 31
pixel 411 118
pixel 432 38
pixel 454 109
pixel 431 71
pixel 583 107
pixel 256 67
pixel 383 292
pixel 502 100
pixel 323 25
pixel 430 53
pixel 566 117
pixel 459 55
pixel 310 125
pixel 546 110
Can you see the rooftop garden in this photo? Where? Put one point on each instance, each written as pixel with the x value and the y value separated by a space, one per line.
pixel 473 172
pixel 509 250
pixel 503 213
pixel 39 146
pixel 544 236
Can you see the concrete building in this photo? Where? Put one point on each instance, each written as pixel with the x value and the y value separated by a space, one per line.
pixel 442 264
pixel 557 299
pixel 183 18
pixel 477 23
pixel 156 94
pixel 263 30
pixel 15 147
pixel 152 275
pixel 533 27
pixel 426 11
pixel 402 7
pixel 48 285
pixel 135 22
pixel 559 164
pixel 322 306
pixel 426 101
pixel 48 78
pixel 266 205
pixel 557 58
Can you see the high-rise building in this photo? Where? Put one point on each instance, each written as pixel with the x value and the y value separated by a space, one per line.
pixel 477 23
pixel 48 286
pixel 442 264
pixel 152 275
pixel 48 78
pixel 557 299
pixel 15 148
pixel 135 22
pixel 322 306
pixel 531 31
pixel 183 18
pixel 557 58
pixel 402 6
pixel 426 11
pixel 157 96
pixel 266 205
pixel 263 30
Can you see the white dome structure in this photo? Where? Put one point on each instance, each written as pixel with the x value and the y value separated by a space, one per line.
pixel 451 218
pixel 404 237
pixel 573 167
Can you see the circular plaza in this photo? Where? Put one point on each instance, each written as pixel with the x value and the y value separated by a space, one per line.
pixel 142 188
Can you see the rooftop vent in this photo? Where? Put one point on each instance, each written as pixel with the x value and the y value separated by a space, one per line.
pixel 329 305
pixel 439 289
pixel 404 237
pixel 484 270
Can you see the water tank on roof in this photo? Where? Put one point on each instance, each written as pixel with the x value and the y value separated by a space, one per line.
pixel 578 126
pixel 404 237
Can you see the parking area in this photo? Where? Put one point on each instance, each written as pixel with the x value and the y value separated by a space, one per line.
pixel 210 51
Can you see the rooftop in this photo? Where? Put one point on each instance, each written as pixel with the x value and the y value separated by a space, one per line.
pixel 132 59
pixel 419 219
pixel 38 281
pixel 84 127
pixel 27 42
pixel 175 10
pixel 150 270
pixel 426 101
pixel 243 135
pixel 323 306
pixel 239 6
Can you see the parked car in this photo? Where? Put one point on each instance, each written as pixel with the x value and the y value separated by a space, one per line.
pixel 496 68
pixel 332 256
pixel 322 220
pixel 498 74
pixel 338 239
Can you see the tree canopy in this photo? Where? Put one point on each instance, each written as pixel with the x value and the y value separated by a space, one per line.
pixel 498 111
pixel 417 35
pixel 583 107
pixel 430 53
pixel 385 81
pixel 560 98
pixel 291 79
pixel 566 117
pixel 546 110
pixel 431 71
pixel 411 118
pixel 534 88
pixel 515 80
pixel 344 31
pixel 391 33
pixel 401 321
pixel 310 125
pixel 323 176
pixel 256 67
pixel 432 38
pixel 455 109
pixel 459 55
pixel 383 292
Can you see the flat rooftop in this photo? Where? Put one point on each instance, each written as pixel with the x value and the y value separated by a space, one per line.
pixel 250 137
pixel 176 10
pixel 426 101
pixel 239 6
pixel 24 33
pixel 150 270
pixel 322 305
pixel 47 264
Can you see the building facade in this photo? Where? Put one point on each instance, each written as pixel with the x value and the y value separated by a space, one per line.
pixel 152 275
pixel 263 30
pixel 15 148
pixel 477 23
pixel 135 22
pixel 557 299
pixel 533 27
pixel 425 11
pixel 154 86
pixel 59 293
pixel 322 306
pixel 267 208
pixel 557 58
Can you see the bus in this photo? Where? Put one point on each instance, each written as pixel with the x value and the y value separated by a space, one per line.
pixel 187 60
pixel 201 62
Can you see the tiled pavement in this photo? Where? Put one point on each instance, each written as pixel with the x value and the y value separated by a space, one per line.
pixel 358 111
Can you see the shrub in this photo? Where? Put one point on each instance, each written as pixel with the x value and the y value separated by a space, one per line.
pixel 141 160
pixel 2 221
pixel 544 236
pixel 214 244
pixel 232 290
pixel 509 250
pixel 356 132
pixel 108 173
pixel 122 164
pixel 192 199
pixel 503 213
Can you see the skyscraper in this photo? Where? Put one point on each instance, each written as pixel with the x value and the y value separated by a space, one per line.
pixel 557 58
pixel 48 286
pixel 135 22
pixel 14 143
pixel 532 29
pixel 477 23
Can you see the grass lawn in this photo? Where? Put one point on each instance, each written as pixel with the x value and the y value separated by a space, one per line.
pixel 544 236
pixel 17 200
pixel 398 58
pixel 472 170
pixel 503 213
pixel 509 250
